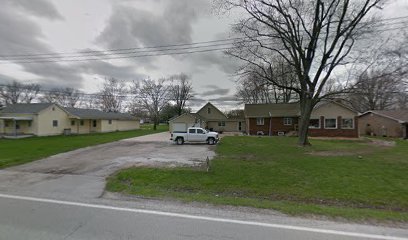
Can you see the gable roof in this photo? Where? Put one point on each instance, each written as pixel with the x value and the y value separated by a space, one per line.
pixel 272 109
pixel 400 116
pixel 35 108
pixel 194 115
pixel 97 114
pixel 27 108
pixel 211 106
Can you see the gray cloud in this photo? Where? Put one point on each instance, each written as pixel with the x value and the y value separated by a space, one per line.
pixel 229 98
pixel 131 27
pixel 219 91
pixel 105 69
pixel 40 8
pixel 22 36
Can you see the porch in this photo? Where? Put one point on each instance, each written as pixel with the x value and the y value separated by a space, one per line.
pixel 16 127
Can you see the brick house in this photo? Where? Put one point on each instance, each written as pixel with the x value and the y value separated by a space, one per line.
pixel 387 123
pixel 328 119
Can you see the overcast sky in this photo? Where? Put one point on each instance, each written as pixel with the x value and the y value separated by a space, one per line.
pixel 43 26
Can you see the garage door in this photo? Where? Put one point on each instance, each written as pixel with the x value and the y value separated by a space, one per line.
pixel 179 127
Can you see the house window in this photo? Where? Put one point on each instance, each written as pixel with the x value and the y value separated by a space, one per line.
pixel 109 121
pixel 314 123
pixel 330 123
pixel 72 122
pixel 94 123
pixel 17 126
pixel 221 124
pixel 260 121
pixel 347 123
pixel 6 124
pixel 29 123
pixel 81 122
pixel 209 110
pixel 287 121
pixel 55 123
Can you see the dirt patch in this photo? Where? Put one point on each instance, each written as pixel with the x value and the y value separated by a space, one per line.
pixel 382 143
pixel 333 153
pixel 368 147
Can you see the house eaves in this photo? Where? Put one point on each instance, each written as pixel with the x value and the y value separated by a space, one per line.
pixel 385 116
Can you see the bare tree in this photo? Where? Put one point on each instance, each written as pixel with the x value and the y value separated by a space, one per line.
pixel 67 97
pixel 402 100
pixel 374 91
pixel 16 92
pixel 152 96
pixel 112 95
pixel 253 90
pixel 256 89
pixel 382 82
pixel 180 91
pixel 314 37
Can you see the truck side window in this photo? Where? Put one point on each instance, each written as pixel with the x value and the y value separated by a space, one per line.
pixel 200 131
pixel 191 131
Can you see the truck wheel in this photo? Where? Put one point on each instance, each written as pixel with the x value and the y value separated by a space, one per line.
pixel 179 141
pixel 211 141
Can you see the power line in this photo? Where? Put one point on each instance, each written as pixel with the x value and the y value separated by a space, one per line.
pixel 162 46
pixel 132 52
pixel 172 51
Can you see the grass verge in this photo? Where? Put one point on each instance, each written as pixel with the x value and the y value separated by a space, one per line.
pixel 19 151
pixel 337 178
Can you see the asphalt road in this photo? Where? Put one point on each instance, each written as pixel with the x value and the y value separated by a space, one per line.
pixel 32 218
pixel 62 197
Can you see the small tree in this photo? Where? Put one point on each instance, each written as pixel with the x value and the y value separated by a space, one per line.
pixel 16 92
pixel 180 91
pixel 112 95
pixel 152 96
pixel 67 97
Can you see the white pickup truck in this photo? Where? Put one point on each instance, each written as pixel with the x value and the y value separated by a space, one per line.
pixel 195 134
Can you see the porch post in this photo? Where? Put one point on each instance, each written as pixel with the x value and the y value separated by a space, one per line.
pixel 15 127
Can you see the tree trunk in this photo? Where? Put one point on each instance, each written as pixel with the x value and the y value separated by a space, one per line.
pixel 306 106
pixel 155 122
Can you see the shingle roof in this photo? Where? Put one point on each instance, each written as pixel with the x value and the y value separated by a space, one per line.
pixel 33 108
pixel 272 109
pixel 30 108
pixel 97 114
pixel 399 115
pixel 195 115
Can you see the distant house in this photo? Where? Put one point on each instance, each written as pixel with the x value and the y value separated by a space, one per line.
pixel 209 117
pixel 328 119
pixel 387 123
pixel 43 119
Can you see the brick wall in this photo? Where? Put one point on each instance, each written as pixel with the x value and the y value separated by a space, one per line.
pixel 277 126
pixel 338 132
pixel 379 126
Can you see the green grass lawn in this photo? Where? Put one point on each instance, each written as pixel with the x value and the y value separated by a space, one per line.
pixel 338 178
pixel 19 151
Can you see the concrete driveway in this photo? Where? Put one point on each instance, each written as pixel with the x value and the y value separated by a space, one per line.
pixel 82 173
